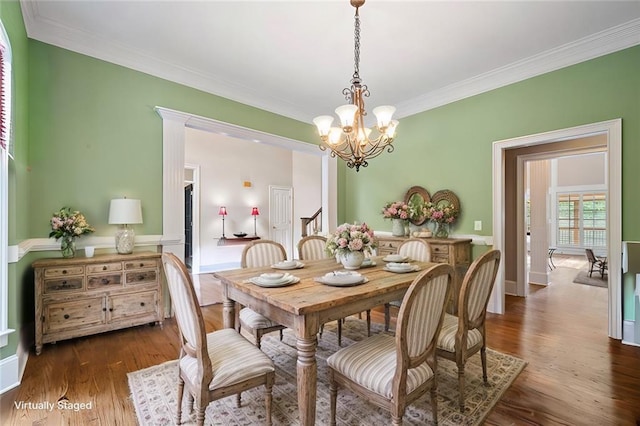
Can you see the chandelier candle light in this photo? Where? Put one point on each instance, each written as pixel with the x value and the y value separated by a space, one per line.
pixel 255 213
pixel 222 212
pixel 352 142
pixel 125 212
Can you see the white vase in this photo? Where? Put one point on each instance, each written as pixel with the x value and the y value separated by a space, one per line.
pixel 352 259
pixel 397 227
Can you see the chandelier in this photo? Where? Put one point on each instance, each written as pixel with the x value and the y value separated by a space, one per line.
pixel 352 141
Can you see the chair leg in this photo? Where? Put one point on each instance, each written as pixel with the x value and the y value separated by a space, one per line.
pixel 321 331
pixel 333 396
pixel 257 336
pixel 239 399
pixel 200 414
pixel 268 397
pixel 461 387
pixel 368 323
pixel 483 358
pixel 180 395
pixel 387 316
pixel 281 335
pixel 434 403
pixel 340 332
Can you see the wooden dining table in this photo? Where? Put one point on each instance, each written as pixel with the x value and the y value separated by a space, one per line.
pixel 305 306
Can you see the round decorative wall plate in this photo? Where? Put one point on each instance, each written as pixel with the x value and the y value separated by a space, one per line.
pixel 417 195
pixel 445 197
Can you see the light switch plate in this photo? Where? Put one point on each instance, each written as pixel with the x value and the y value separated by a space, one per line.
pixel 477 225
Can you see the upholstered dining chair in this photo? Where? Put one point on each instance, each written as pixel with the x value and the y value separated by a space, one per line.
pixel 260 253
pixel 214 365
pixel 464 335
pixel 415 249
pixel 393 371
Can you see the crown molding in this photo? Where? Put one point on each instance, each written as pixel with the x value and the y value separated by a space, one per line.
pixel 599 44
pixel 608 41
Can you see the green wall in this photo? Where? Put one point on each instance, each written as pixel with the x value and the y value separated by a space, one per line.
pixel 87 132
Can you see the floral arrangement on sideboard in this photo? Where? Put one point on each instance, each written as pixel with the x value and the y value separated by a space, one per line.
pixel 67 225
pixel 442 215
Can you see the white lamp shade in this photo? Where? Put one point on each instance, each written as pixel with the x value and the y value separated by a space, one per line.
pixel 323 123
pixel 383 115
pixel 125 211
pixel 347 114
pixel 335 134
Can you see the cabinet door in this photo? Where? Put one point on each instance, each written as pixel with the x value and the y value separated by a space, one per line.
pixel 73 314
pixel 134 305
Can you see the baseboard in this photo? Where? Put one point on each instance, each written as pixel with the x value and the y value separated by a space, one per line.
pixel 9 373
pixel 510 288
pixel 539 278
pixel 205 269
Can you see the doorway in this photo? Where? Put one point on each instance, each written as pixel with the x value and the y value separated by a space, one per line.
pixel 280 211
pixel 504 207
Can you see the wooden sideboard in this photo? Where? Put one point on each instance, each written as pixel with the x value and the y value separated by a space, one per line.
pixel 83 296
pixel 454 251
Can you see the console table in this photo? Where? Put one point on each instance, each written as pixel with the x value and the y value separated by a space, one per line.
pixel 236 240
pixel 454 251
pixel 83 296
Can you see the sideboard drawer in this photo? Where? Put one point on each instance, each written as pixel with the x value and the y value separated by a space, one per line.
pixel 141 277
pixel 63 272
pixel 140 264
pixel 438 258
pixel 102 281
pixel 104 267
pixel 437 249
pixel 63 284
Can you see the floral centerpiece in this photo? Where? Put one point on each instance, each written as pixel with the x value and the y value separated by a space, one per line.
pixel 351 241
pixel 443 216
pixel 68 225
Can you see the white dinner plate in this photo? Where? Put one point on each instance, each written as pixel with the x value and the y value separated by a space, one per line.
pixel 395 258
pixel 297 265
pixel 322 280
pixel 272 284
pixel 413 268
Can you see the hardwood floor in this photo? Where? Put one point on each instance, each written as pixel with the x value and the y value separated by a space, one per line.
pixel 576 375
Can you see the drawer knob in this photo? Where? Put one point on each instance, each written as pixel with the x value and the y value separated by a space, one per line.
pixel 104 268
pixel 105 281
pixel 104 309
pixel 64 271
pixel 141 303
pixel 141 264
pixel 110 309
pixel 64 283
pixel 66 316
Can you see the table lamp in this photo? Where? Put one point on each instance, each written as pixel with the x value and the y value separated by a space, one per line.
pixel 223 212
pixel 125 212
pixel 255 213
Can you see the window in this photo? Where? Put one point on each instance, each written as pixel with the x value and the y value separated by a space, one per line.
pixel 582 219
pixel 5 147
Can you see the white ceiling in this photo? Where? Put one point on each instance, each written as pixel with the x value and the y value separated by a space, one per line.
pixel 295 57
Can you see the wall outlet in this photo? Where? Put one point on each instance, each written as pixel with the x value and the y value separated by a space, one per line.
pixel 477 225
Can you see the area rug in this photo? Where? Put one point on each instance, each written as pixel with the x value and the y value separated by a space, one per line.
pixel 594 280
pixel 154 390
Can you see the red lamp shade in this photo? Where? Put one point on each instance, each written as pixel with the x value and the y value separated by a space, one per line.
pixel 255 211
pixel 223 211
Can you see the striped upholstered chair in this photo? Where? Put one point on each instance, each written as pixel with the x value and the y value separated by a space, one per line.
pixel 256 254
pixel 393 371
pixel 214 365
pixel 464 335
pixel 414 249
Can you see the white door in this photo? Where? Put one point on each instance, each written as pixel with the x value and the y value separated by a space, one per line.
pixel 280 212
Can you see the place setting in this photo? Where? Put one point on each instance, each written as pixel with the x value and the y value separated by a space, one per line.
pixel 341 279
pixel 288 264
pixel 401 267
pixel 274 279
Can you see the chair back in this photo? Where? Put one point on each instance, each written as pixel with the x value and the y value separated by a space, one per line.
pixel 415 249
pixel 591 256
pixel 188 314
pixel 420 318
pixel 312 247
pixel 476 289
pixel 260 253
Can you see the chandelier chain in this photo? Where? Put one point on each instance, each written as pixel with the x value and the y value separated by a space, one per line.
pixel 356 50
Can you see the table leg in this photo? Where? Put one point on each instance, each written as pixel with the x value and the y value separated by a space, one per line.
pixel 307 372
pixel 228 313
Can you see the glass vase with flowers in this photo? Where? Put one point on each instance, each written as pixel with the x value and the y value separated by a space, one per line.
pixel 399 212
pixel 442 215
pixel 67 225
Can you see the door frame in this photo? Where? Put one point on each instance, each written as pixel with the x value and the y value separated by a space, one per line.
pixel 613 130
